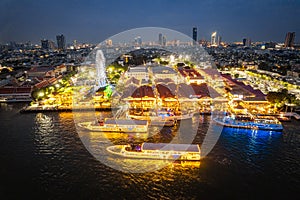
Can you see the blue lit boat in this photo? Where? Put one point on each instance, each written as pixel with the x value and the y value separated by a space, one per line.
pixel 160 151
pixel 246 122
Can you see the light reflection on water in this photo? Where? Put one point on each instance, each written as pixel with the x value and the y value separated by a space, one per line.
pixel 45 152
pixel 255 149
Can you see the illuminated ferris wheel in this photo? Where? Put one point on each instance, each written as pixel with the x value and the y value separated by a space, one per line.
pixel 101 80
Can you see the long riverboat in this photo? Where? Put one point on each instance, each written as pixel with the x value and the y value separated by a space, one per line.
pixel 163 118
pixel 116 125
pixel 249 122
pixel 165 151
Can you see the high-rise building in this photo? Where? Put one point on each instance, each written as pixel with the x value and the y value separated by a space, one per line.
pixel 45 44
pixel 108 42
pixel 213 41
pixel 61 42
pixel 244 41
pixel 138 40
pixel 164 40
pixel 289 39
pixel 194 35
pixel 247 42
pixel 160 39
pixel 51 44
pixel 219 40
pixel 75 43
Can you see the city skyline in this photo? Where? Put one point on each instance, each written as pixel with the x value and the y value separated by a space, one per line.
pixel 95 21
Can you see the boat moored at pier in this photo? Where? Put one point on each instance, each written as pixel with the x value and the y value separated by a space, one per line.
pixel 249 122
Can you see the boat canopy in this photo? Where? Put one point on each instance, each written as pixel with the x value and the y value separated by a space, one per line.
pixel 171 147
pixel 126 122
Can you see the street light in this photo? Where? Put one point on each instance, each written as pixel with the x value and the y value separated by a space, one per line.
pixel 41 94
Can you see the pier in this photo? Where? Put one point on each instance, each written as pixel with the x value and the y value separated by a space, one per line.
pixel 49 108
pixel 291 114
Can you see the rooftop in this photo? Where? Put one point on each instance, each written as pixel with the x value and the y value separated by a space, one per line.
pixel 171 147
pixel 139 68
pixel 162 70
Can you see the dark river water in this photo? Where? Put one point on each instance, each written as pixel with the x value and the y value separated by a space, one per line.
pixel 42 156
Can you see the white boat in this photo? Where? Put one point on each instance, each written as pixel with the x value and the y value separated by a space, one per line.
pixel 184 116
pixel 157 122
pixel 165 151
pixel 162 118
pixel 175 116
pixel 116 125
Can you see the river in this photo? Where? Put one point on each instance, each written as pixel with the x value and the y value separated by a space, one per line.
pixel 42 156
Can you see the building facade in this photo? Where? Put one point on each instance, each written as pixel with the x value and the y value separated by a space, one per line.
pixel 289 39
pixel 195 35
pixel 61 42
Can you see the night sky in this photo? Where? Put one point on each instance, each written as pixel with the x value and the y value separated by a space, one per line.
pixel 94 21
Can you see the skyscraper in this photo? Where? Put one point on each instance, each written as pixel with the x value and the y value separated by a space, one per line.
pixel 244 41
pixel 164 40
pixel 213 39
pixel 247 42
pixel 108 42
pixel 138 40
pixel 45 44
pixel 194 35
pixel 160 39
pixel 219 40
pixel 61 42
pixel 51 44
pixel 289 39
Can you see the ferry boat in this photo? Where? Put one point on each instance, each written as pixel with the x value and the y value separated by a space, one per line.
pixel 157 122
pixel 160 151
pixel 175 116
pixel 116 125
pixel 163 118
pixel 248 122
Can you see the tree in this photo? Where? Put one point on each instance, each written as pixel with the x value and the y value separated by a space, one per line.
pixel 278 99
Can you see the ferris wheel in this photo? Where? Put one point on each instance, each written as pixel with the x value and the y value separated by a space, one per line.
pixel 101 80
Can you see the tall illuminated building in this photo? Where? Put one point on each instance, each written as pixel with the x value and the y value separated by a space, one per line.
pixel 194 35
pixel 289 39
pixel 213 41
pixel 61 42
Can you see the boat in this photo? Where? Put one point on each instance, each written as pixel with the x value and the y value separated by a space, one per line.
pixel 162 118
pixel 116 125
pixel 182 116
pixel 249 122
pixel 160 151
pixel 157 122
